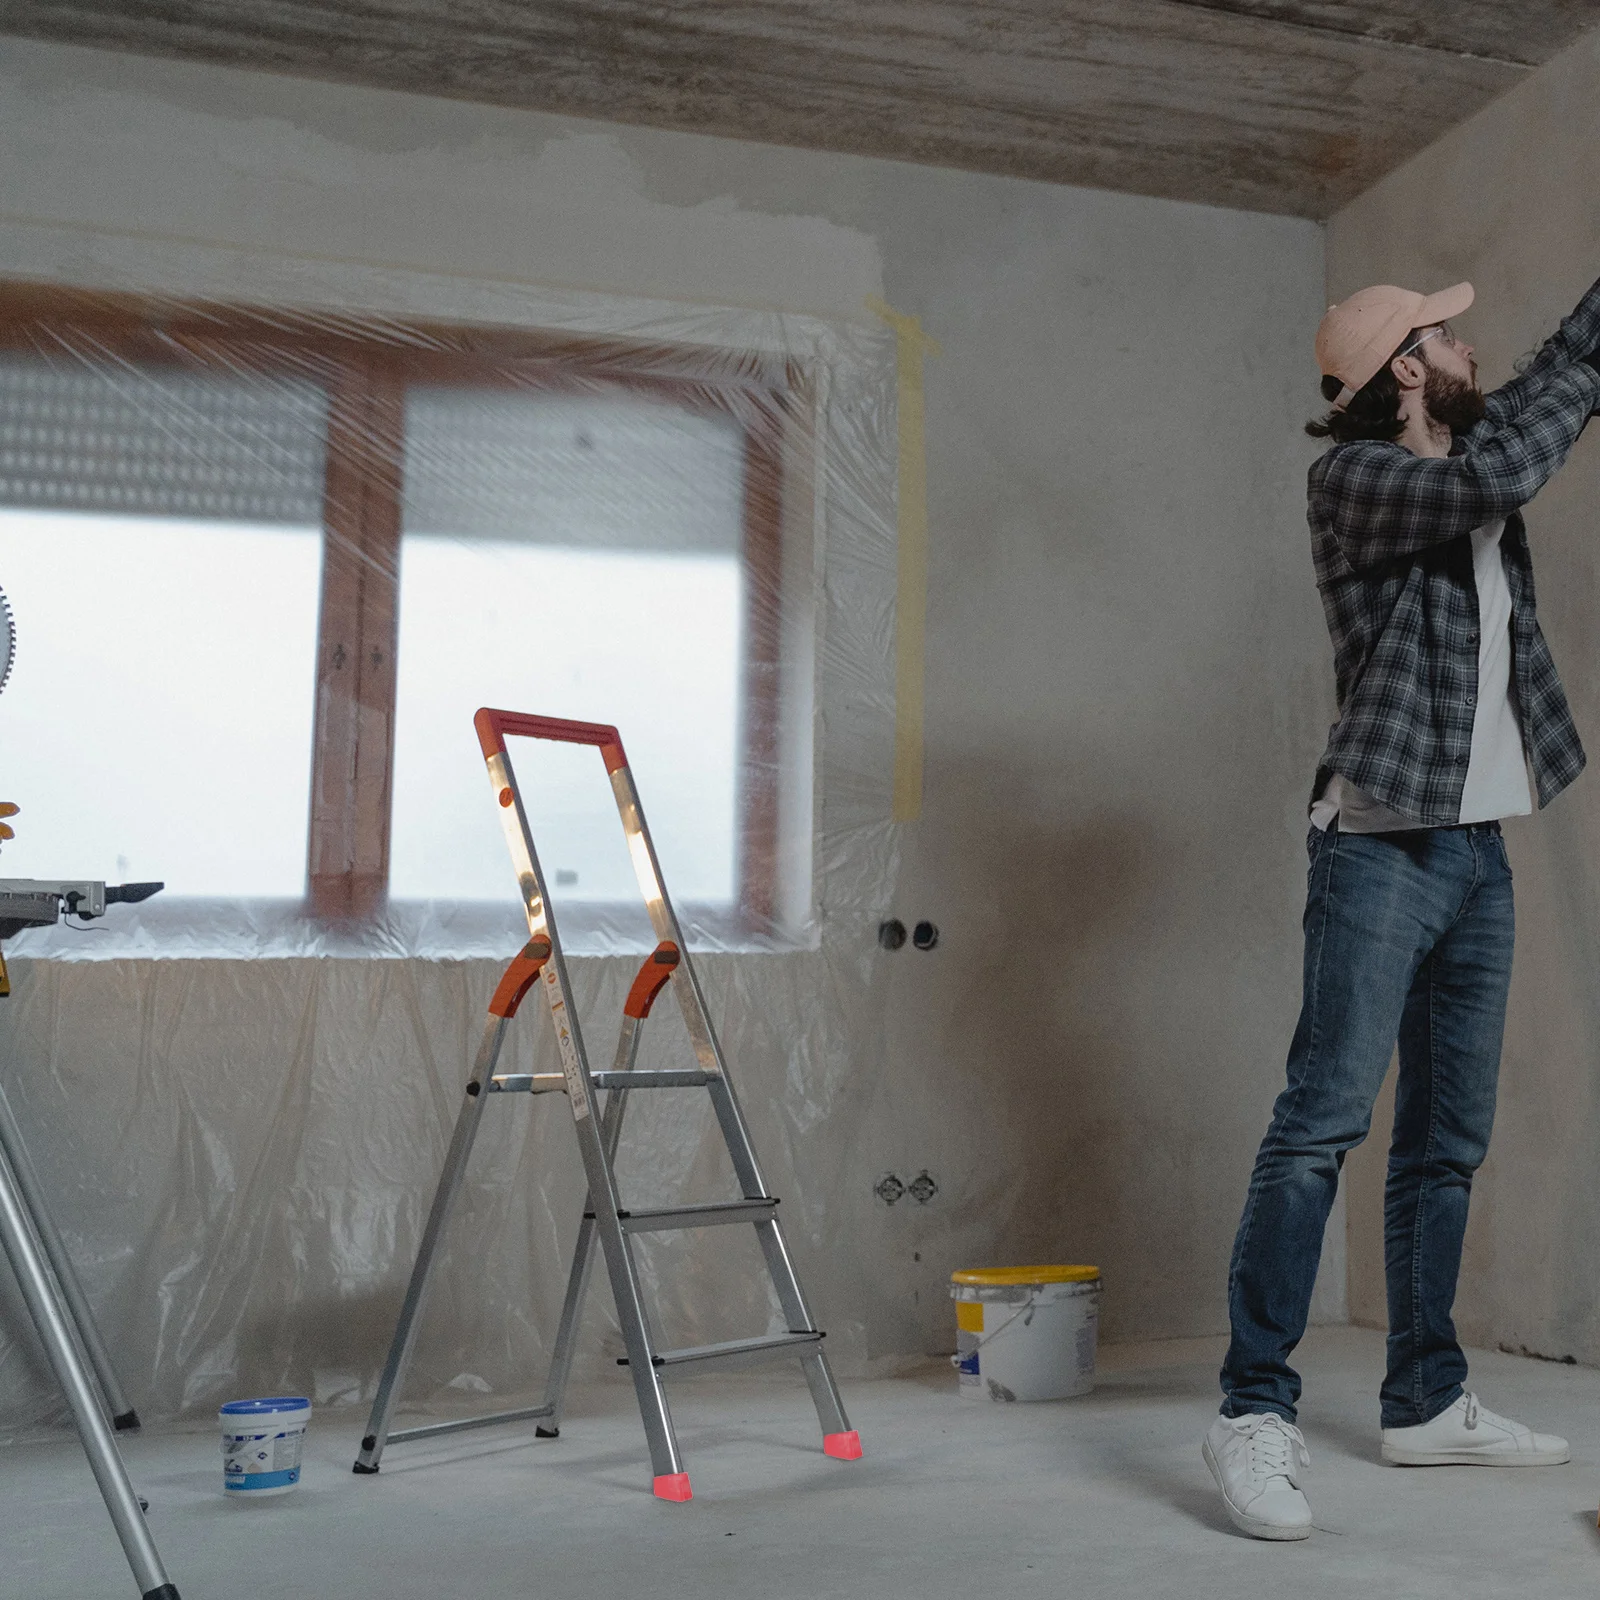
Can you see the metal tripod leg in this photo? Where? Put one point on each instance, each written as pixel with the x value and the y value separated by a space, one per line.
pixel 455 1166
pixel 122 1414
pixel 583 1252
pixel 52 1318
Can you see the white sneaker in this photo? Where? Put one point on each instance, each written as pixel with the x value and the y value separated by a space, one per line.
pixel 1257 1461
pixel 1469 1434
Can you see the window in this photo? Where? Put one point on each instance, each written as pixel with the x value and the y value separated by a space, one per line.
pixel 256 558
pixel 160 547
pixel 582 554
pixel 149 695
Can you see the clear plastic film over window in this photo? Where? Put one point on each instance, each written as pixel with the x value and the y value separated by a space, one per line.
pixel 598 556
pixel 278 555
pixel 267 553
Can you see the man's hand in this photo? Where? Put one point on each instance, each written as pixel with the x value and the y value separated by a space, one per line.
pixel 8 810
pixel 1591 359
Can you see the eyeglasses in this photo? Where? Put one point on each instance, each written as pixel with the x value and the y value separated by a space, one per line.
pixel 1442 331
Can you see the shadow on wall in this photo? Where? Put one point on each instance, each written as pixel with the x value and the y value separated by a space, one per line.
pixel 1012 1037
pixel 1093 1050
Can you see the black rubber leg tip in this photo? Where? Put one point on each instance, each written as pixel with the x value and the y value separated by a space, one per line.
pixel 167 1591
pixel 362 1471
pixel 547 1433
pixel 128 1419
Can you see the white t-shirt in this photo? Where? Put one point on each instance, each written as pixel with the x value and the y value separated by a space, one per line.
pixel 1497 770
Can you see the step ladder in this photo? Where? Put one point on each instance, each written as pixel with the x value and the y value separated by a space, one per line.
pixel 599 1129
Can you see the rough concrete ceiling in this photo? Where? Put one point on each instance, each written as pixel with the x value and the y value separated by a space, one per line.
pixel 1272 105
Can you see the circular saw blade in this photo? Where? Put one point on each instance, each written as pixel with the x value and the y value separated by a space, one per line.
pixel 8 640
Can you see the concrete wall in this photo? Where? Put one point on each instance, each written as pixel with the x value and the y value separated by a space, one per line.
pixel 1506 200
pixel 1125 666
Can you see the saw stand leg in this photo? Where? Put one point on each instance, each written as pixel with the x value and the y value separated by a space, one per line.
pixel 123 1416
pixel 52 1316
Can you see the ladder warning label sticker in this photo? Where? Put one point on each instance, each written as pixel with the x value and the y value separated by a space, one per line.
pixel 569 1054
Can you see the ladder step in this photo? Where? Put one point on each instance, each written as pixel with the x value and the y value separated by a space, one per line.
pixel 528 1083
pixel 735 1349
pixel 696 1216
pixel 554 1083
pixel 666 1078
pixel 432 1430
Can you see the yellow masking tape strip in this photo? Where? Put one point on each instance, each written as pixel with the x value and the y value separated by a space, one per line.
pixel 911 590
pixel 969 1316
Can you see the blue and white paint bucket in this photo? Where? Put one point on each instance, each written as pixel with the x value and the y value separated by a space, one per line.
pixel 261 1445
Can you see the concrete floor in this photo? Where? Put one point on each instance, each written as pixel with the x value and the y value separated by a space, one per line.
pixel 1102 1496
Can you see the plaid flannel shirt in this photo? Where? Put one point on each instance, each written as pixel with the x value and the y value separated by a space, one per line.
pixel 1389 540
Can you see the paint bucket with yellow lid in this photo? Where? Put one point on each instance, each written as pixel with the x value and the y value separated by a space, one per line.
pixel 1026 1333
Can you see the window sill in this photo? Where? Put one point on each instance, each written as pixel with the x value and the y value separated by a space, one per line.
pixel 176 928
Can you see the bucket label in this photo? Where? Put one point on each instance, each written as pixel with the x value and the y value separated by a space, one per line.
pixel 253 1481
pixel 1037 1344
pixel 261 1460
pixel 967 1345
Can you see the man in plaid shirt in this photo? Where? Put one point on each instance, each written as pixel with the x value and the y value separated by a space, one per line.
pixel 1448 698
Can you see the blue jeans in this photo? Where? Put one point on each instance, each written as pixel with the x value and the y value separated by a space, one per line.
pixel 1408 937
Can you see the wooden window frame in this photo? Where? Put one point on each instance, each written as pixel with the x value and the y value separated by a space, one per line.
pixel 365 366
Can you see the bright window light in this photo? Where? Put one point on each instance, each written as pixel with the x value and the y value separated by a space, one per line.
pixel 572 557
pixel 647 642
pixel 158 724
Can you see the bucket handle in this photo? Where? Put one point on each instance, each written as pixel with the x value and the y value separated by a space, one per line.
pixel 1025 1310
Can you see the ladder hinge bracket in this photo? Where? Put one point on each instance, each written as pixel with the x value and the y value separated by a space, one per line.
pixel 519 977
pixel 658 966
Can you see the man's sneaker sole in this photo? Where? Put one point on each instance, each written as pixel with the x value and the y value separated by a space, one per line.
pixel 1254 1526
pixel 1397 1455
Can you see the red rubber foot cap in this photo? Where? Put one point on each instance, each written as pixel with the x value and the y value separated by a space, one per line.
pixel 673 1486
pixel 842 1446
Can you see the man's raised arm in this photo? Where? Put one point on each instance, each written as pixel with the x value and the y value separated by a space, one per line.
pixel 1577 337
pixel 1382 502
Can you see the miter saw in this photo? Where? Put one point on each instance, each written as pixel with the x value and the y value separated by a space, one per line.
pixel 39 902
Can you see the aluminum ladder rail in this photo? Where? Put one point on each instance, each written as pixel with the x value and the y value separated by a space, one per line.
pixel 66 1327
pixel 599 1129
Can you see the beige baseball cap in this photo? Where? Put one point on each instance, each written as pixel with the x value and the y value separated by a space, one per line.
pixel 1359 335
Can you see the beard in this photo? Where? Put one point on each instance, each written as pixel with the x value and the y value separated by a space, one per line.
pixel 1454 403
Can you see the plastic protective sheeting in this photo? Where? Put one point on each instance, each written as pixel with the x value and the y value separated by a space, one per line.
pixel 678 520
pixel 650 524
